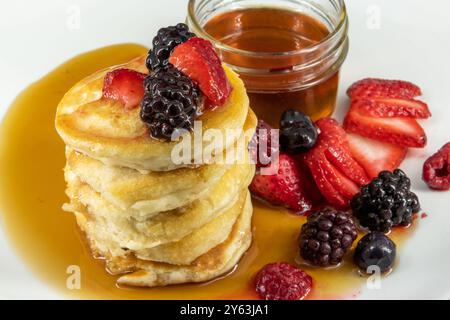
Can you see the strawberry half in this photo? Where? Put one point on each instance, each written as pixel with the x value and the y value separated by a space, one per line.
pixel 197 59
pixel 375 156
pixel 400 131
pixel 124 85
pixel 286 188
pixel 392 107
pixel 370 88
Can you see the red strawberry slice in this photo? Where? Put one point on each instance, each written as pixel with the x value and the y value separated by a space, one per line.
pixel 285 188
pixel 343 185
pixel 308 183
pixel 383 88
pixel 337 175
pixel 334 143
pixel 344 161
pixel 124 85
pixel 400 131
pixel 392 107
pixel 197 59
pixel 375 156
pixel 314 161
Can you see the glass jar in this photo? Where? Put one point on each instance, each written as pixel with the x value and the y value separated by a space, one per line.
pixel 297 68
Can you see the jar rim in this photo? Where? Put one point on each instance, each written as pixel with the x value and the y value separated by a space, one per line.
pixel 343 23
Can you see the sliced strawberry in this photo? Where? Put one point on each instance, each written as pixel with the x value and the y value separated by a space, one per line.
pixel 124 85
pixel 400 131
pixel 334 143
pixel 197 59
pixel 375 156
pixel 337 175
pixel 343 185
pixel 344 161
pixel 307 180
pixel 285 188
pixel 392 107
pixel 370 88
pixel 314 160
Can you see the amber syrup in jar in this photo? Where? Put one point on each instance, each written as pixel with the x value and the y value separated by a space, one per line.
pixel 276 31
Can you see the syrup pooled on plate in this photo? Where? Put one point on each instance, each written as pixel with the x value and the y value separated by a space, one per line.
pixel 273 30
pixel 48 239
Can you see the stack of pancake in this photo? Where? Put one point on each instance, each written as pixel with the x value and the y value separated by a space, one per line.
pixel 155 221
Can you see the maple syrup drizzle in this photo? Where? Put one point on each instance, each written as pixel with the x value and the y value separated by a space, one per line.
pixel 48 240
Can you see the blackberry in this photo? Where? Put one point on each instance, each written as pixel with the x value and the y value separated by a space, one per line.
pixel 297 132
pixel 170 102
pixel 164 43
pixel 326 237
pixel 385 202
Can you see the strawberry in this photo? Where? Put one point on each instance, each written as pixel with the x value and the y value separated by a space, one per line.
pixel 375 156
pixel 197 59
pixel 286 188
pixel 344 186
pixel 124 85
pixel 314 161
pixel 400 131
pixel 370 88
pixel 308 183
pixel 392 107
pixel 335 146
pixel 337 175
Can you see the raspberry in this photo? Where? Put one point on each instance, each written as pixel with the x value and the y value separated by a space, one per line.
pixel 170 102
pixel 436 170
pixel 326 237
pixel 282 281
pixel 261 147
pixel 163 44
pixel 386 202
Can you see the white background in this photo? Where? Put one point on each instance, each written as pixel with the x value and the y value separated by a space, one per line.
pixel 411 42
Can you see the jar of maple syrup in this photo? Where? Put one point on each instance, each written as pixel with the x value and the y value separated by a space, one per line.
pixel 288 52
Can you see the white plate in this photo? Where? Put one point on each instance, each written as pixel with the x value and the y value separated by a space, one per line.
pixel 406 39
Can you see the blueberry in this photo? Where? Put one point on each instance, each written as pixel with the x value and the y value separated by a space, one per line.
pixel 297 132
pixel 375 249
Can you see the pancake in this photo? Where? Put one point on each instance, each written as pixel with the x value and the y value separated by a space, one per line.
pixel 104 130
pixel 182 252
pixel 186 250
pixel 163 227
pixel 217 261
pixel 147 194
